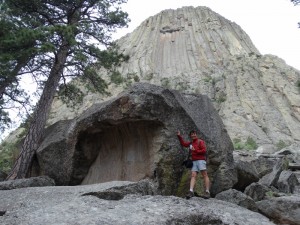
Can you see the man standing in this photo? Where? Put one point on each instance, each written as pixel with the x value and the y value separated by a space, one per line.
pixel 198 153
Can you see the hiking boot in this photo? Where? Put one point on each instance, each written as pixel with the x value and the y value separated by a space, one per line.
pixel 206 195
pixel 189 195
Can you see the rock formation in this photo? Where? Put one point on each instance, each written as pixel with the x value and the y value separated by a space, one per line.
pixel 133 136
pixel 195 50
pixel 114 203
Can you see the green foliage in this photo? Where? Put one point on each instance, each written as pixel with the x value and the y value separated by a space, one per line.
pixel 70 94
pixel 221 97
pixel 298 85
pixel 116 77
pixel 130 78
pixel 8 154
pixel 149 76
pixel 250 144
pixel 237 144
pixel 165 82
pixel 270 194
pixel 42 37
pixel 207 79
pixel 182 86
pixel 281 144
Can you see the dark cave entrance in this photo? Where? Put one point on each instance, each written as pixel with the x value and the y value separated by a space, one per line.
pixel 124 152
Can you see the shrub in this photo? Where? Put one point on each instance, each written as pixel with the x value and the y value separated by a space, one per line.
pixel 165 82
pixel 270 194
pixel 250 144
pixel 237 144
pixel 281 144
pixel 116 77
pixel 8 155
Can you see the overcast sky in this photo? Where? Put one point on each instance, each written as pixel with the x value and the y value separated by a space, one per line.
pixel 271 24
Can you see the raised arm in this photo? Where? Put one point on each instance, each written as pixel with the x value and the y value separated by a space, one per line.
pixel 182 141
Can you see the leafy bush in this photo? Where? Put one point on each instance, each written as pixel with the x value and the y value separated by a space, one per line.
pixel 237 144
pixel 8 155
pixel 250 144
pixel 270 194
pixel 281 144
pixel 116 77
pixel 165 82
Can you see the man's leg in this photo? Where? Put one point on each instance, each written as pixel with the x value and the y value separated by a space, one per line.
pixel 192 185
pixel 193 180
pixel 206 182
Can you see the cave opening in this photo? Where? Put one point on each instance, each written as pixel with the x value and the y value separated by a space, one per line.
pixel 117 152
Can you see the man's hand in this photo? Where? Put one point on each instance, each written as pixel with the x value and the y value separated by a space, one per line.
pixel 178 133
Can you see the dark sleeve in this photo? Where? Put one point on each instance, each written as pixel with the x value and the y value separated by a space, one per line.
pixel 183 142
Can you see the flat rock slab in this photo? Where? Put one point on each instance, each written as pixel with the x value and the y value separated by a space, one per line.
pixel 80 205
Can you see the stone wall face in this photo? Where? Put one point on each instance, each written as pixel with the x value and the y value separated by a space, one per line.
pixel 126 151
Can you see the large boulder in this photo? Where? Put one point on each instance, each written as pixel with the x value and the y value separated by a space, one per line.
pixel 239 198
pixel 247 174
pixel 287 182
pixel 257 191
pixel 133 136
pixel 271 178
pixel 282 210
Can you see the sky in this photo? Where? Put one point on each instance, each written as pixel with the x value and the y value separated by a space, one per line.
pixel 271 24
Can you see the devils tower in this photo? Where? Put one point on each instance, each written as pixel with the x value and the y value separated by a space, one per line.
pixel 196 50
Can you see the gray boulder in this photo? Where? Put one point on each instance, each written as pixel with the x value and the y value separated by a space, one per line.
pixel 287 182
pixel 271 179
pixel 246 174
pixel 264 165
pixel 87 204
pixel 28 182
pixel 292 152
pixel 257 191
pixel 239 198
pixel 133 136
pixel 282 210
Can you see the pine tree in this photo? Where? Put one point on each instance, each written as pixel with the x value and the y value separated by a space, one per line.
pixel 63 38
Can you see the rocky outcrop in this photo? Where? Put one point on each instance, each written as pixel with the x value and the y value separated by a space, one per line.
pixel 114 203
pixel 29 182
pixel 282 210
pixel 287 182
pixel 196 50
pixel 133 136
pixel 239 198
pixel 257 191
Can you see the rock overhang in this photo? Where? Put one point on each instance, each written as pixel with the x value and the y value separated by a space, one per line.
pixel 132 137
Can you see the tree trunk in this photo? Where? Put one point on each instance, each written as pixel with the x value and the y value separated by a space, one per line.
pixel 36 129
